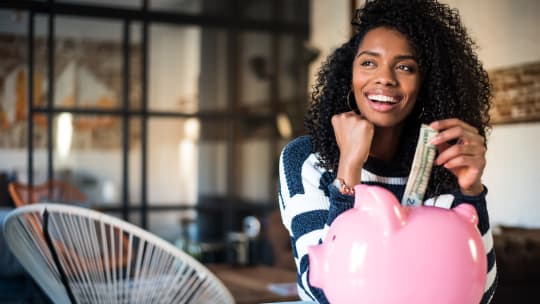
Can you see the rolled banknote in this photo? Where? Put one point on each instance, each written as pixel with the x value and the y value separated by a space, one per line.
pixel 421 168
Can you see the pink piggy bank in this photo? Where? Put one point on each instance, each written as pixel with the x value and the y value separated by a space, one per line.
pixel 381 252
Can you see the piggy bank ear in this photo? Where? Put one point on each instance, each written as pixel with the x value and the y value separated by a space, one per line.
pixel 381 203
pixel 467 212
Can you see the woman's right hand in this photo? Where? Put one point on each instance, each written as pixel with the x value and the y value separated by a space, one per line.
pixel 354 135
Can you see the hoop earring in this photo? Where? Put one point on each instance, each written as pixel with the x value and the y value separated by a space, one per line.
pixel 422 114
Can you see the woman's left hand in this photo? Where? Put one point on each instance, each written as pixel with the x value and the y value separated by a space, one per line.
pixel 466 159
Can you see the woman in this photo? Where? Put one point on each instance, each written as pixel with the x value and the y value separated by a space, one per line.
pixel 409 63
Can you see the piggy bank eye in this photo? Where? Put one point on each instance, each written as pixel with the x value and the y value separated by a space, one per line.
pixel 333 237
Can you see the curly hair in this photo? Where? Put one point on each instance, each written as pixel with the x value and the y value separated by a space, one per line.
pixel 454 83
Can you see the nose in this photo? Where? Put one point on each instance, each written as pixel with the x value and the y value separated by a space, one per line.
pixel 386 77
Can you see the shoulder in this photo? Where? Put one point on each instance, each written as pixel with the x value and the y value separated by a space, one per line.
pixel 299 167
pixel 299 152
pixel 296 152
pixel 298 157
pixel 299 146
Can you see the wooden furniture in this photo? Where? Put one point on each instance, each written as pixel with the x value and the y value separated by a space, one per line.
pixel 249 284
pixel 50 191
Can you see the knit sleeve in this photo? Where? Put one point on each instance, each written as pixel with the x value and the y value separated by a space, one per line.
pixel 308 203
pixel 479 203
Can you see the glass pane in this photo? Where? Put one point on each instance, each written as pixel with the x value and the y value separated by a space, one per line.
pixel 296 11
pixel 256 69
pixel 257 127
pixel 39 155
pixel 195 7
pixel 13 94
pixel 188 64
pixel 13 22
pixel 88 154
pixel 289 68
pixel 117 3
pixel 183 163
pixel 14 160
pixel 174 68
pixel 41 67
pixel 135 85
pixel 188 70
pixel 256 171
pixel 289 10
pixel 88 64
pixel 213 168
pixel 134 163
pixel 212 171
pixel 257 10
pixel 214 80
pixel 172 159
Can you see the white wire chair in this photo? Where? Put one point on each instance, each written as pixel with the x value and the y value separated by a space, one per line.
pixel 72 253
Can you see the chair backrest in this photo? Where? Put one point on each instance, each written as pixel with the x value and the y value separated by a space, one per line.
pixel 78 266
pixel 50 191
pixel 58 192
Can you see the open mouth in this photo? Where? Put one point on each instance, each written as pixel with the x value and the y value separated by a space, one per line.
pixel 384 99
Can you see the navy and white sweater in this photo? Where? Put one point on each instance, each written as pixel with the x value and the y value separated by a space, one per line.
pixel 309 203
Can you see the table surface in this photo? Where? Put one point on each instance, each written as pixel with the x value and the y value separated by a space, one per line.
pixel 249 284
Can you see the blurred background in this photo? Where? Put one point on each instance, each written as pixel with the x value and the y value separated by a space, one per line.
pixel 171 114
pixel 162 112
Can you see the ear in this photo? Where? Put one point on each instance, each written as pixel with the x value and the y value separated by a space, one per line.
pixel 381 203
pixel 467 212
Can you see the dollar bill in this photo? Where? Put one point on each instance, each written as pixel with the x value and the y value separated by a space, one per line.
pixel 421 168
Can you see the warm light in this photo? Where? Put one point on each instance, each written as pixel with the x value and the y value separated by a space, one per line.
pixel 188 159
pixel 64 134
pixel 284 125
pixel 191 129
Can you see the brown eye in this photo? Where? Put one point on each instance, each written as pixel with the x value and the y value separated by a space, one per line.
pixel 405 68
pixel 367 63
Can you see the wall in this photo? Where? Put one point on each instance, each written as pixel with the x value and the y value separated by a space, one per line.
pixel 506 33
pixel 508 36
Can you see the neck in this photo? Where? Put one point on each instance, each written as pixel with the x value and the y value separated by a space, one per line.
pixel 385 142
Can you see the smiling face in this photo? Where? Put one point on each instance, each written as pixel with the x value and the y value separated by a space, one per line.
pixel 386 77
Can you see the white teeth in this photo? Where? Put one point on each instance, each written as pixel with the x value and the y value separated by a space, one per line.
pixel 383 98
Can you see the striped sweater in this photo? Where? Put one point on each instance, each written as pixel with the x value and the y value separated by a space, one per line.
pixel 309 203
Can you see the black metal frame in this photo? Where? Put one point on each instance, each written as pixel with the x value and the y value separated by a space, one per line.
pixel 231 22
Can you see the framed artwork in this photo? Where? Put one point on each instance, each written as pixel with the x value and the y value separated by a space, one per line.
pixel 516 94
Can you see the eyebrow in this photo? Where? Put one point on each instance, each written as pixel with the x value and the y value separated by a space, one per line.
pixel 375 54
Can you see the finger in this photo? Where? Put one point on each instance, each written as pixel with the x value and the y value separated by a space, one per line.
pixel 459 150
pixel 465 161
pixel 457 133
pixel 442 147
pixel 451 122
